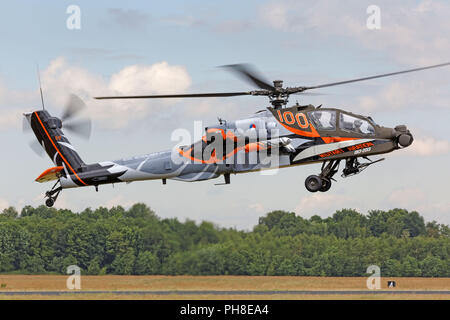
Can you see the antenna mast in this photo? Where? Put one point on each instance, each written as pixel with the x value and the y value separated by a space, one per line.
pixel 40 87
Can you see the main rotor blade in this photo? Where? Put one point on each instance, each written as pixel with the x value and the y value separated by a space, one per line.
pixel 246 72
pixel 73 106
pixel 311 93
pixel 190 95
pixel 377 76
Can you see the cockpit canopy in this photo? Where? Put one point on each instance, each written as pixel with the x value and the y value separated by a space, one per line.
pixel 353 124
pixel 323 119
pixel 327 120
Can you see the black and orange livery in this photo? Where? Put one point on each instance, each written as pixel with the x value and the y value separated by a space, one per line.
pixel 48 131
pixel 69 166
pixel 291 135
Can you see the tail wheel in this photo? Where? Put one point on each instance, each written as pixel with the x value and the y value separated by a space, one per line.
pixel 326 185
pixel 313 183
pixel 52 194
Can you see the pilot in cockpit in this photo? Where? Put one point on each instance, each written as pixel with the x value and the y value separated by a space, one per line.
pixel 357 125
pixel 324 120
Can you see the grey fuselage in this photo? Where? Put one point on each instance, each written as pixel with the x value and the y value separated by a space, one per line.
pixel 269 139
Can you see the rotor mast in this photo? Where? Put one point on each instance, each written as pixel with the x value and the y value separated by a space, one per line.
pixel 279 98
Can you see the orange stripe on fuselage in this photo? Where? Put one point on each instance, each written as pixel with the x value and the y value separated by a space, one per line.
pixel 57 150
pixel 315 134
pixel 250 147
pixel 312 134
pixel 336 139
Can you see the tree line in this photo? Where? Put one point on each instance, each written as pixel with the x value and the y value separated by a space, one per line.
pixel 137 242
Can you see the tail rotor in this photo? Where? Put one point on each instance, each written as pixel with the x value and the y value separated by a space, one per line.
pixel 81 127
pixel 69 121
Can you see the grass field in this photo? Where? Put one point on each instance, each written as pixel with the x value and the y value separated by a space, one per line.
pixel 27 283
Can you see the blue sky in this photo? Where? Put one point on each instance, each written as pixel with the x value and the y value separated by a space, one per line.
pixel 152 47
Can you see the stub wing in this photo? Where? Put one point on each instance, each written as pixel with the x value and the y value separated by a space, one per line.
pixel 50 174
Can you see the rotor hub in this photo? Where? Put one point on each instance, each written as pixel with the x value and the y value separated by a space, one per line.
pixel 278 84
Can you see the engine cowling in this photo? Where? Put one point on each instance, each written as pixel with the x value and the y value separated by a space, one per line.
pixel 404 137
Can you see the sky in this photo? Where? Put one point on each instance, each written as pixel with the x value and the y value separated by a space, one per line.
pixel 154 47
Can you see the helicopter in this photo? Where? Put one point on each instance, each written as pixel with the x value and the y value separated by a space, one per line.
pixel 285 135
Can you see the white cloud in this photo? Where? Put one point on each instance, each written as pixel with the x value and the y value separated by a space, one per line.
pixel 159 77
pixel 413 91
pixel 118 201
pixel 425 145
pixel 406 197
pixel 436 210
pixel 323 204
pixel 414 34
pixel 408 29
pixel 60 79
pixel 10 102
pixel 10 119
pixel 429 147
pixel 276 16
pixel 415 199
pixel 258 207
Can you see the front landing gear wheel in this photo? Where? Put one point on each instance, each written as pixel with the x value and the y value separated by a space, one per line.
pixel 326 185
pixel 313 183
pixel 49 202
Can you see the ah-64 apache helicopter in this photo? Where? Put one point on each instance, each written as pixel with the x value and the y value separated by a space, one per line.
pixel 299 134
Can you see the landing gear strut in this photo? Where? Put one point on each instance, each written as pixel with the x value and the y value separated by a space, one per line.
pixel 52 195
pixel 322 182
pixel 353 166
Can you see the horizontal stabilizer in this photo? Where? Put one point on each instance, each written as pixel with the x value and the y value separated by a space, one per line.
pixel 50 174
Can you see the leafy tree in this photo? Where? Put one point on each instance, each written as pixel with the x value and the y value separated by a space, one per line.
pixel 236 262
pixel 10 212
pixel 123 263
pixel 140 210
pixel 136 241
pixel 147 263
pixel 414 223
pixel 377 222
pixel 94 266
pixel 410 267
pixel 432 266
pixel 348 223
pixel 392 268
pixel 273 218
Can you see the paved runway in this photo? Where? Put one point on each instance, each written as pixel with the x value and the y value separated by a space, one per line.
pixel 234 292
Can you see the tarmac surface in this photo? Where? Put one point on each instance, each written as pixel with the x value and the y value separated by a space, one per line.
pixel 230 292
